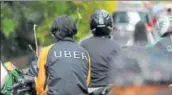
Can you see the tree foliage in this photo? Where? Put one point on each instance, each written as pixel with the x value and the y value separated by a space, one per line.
pixel 18 18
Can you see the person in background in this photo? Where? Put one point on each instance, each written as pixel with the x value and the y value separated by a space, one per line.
pixel 132 69
pixel 101 47
pixel 162 23
pixel 63 67
pixel 169 11
pixel 161 54
pixel 166 35
pixel 151 23
pixel 148 5
pixel 140 34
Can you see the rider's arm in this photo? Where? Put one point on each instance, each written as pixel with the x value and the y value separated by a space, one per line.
pixel 40 81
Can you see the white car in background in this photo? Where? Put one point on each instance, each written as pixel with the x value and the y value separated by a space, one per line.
pixel 124 22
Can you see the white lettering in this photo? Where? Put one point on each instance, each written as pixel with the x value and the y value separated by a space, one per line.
pixel 84 56
pixel 57 54
pixel 75 54
pixel 67 54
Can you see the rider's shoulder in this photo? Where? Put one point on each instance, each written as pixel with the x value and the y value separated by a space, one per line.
pixel 85 40
pixel 47 48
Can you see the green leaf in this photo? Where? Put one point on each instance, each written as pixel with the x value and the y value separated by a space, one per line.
pixel 8 26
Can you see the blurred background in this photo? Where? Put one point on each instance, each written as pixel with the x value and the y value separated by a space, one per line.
pixel 17 20
pixel 17 33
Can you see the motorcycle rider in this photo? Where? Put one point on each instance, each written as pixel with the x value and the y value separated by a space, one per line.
pixel 166 38
pixel 161 52
pixel 162 22
pixel 101 47
pixel 63 67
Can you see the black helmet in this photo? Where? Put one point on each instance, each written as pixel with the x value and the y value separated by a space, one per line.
pixel 63 26
pixel 101 23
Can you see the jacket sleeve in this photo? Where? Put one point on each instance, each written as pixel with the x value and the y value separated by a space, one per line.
pixel 40 81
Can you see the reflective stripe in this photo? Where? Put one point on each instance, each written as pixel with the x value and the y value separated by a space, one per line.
pixel 41 79
pixel 89 71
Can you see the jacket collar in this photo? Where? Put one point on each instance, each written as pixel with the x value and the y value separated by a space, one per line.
pixel 68 39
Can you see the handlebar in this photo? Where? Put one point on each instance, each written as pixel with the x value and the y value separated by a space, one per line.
pixel 16 86
pixel 26 80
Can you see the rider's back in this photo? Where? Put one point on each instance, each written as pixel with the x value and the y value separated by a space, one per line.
pixel 67 67
pixel 64 66
pixel 102 51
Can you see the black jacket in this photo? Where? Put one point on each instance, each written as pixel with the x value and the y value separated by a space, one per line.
pixel 102 51
pixel 63 69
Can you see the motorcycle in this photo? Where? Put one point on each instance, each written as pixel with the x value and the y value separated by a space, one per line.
pixel 17 83
pixel 20 83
